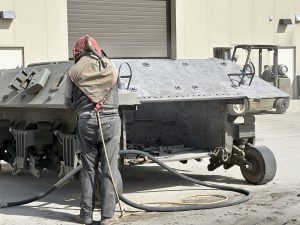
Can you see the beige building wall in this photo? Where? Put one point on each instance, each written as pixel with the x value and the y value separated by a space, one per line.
pixel 218 29
pixel 263 22
pixel 40 26
pixel 41 29
pixel 204 24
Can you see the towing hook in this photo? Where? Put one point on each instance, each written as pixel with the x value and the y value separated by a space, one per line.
pixel 221 153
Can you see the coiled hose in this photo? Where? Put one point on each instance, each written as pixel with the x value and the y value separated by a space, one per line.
pixel 247 195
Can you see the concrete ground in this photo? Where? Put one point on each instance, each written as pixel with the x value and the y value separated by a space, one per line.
pixel 277 202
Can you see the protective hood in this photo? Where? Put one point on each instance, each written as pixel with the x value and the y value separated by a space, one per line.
pixel 93 73
pixel 95 81
pixel 86 44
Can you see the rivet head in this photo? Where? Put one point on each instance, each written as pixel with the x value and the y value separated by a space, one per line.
pixel 178 87
pixel 196 87
pixel 133 89
pixel 146 64
pixel 50 97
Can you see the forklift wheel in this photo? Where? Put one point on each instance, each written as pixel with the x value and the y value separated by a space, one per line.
pixel 281 105
pixel 262 165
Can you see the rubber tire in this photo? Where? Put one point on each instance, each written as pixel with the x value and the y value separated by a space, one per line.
pixel 264 165
pixel 281 105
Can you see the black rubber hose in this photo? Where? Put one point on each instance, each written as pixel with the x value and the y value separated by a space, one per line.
pixel 57 185
pixel 247 194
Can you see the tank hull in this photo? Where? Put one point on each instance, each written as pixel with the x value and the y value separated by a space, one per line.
pixel 173 109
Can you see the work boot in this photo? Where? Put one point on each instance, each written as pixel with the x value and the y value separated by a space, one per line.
pixel 109 220
pixel 84 220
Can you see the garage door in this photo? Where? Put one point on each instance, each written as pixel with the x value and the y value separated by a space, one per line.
pixel 135 28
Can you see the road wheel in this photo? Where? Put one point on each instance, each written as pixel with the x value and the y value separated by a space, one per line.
pixel 281 105
pixel 262 165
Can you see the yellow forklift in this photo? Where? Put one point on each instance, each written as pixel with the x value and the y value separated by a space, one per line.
pixel 275 74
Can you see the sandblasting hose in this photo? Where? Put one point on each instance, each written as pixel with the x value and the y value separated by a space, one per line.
pixel 57 185
pixel 247 195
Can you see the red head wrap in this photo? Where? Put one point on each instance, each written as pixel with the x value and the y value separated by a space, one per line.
pixel 81 46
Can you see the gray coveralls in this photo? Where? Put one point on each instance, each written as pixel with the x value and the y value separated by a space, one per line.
pixel 92 154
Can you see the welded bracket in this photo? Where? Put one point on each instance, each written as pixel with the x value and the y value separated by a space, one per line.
pixel 222 156
pixel 237 158
pixel 35 133
pixel 218 157
pixel 70 152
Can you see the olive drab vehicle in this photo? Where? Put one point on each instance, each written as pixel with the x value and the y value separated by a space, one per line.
pixel 176 110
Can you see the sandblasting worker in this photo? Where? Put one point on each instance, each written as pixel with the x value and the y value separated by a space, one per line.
pixel 91 86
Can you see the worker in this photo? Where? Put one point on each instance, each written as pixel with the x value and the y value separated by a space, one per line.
pixel 91 87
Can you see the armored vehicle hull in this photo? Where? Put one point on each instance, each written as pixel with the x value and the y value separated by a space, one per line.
pixel 172 109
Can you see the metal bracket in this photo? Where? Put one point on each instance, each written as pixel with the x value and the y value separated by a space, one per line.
pixel 35 133
pixel 70 152
pixel 218 157
pixel 222 156
pixel 31 82
pixel 237 158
